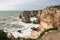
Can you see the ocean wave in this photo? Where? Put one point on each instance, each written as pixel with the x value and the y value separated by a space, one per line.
pixel 13 24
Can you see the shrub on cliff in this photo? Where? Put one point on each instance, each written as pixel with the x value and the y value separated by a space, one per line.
pixel 3 35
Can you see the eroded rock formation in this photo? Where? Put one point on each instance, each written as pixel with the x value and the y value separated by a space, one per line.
pixel 26 15
pixel 50 17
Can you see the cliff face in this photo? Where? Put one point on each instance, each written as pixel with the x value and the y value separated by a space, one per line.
pixel 50 17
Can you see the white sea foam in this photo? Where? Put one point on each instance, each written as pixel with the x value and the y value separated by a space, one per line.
pixel 12 23
pixel 26 30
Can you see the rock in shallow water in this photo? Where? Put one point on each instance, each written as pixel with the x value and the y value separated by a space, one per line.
pixel 26 20
pixel 25 16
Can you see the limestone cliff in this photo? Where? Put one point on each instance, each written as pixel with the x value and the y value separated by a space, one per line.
pixel 50 17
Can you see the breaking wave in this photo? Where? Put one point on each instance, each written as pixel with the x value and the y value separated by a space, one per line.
pixel 13 23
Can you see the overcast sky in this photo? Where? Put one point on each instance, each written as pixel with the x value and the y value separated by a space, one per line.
pixel 19 5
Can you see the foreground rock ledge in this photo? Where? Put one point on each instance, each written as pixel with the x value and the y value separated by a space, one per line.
pixel 33 35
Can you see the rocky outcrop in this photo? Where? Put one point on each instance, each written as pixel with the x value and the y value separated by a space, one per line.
pixel 38 14
pixel 28 13
pixel 25 16
pixel 37 21
pixel 33 13
pixel 49 18
pixel 26 19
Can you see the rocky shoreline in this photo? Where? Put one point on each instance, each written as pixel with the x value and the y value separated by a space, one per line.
pixel 47 18
pixel 26 15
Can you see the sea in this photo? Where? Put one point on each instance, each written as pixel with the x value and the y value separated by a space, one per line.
pixel 10 22
pixel 7 18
